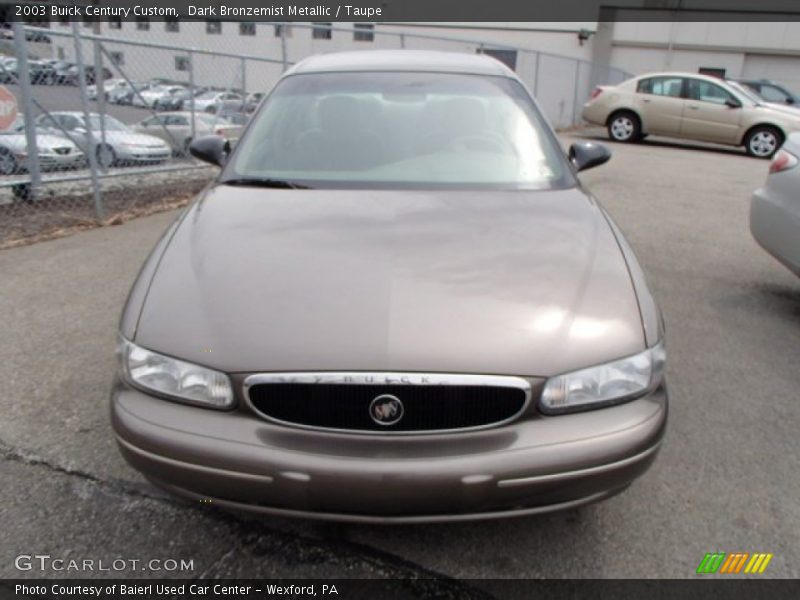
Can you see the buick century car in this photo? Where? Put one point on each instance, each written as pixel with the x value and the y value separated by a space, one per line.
pixel 396 303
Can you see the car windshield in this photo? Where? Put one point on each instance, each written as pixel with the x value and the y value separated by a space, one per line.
pixel 746 92
pixel 111 124
pixel 400 130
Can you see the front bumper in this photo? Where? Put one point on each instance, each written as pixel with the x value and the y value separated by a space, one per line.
pixel 143 154
pixel 533 465
pixel 73 160
pixel 775 225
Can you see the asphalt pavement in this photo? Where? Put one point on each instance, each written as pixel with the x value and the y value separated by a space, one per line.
pixel 725 480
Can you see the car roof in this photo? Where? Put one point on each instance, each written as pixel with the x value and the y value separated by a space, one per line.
pixel 402 60
pixel 710 78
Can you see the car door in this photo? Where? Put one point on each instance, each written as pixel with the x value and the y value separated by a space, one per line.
pixel 75 129
pixel 661 104
pixel 181 130
pixel 155 126
pixel 712 113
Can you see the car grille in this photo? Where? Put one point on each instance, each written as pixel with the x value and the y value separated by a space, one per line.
pixel 347 402
pixel 61 150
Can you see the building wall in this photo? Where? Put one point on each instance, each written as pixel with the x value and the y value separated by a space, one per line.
pixel 758 49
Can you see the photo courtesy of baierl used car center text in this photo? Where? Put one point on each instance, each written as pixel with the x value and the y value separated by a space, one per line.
pixel 446 299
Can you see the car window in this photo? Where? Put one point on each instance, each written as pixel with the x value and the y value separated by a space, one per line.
pixel 770 93
pixel 705 91
pixel 403 130
pixel 110 123
pixel 177 120
pixel 661 86
pixel 70 122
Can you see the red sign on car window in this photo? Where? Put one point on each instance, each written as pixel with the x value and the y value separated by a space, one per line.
pixel 8 108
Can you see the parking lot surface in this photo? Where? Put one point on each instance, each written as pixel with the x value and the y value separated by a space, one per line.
pixel 726 478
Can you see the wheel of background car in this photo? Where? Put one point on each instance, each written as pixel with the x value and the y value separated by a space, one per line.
pixel 106 156
pixel 23 191
pixel 478 142
pixel 624 127
pixel 211 109
pixel 763 142
pixel 8 164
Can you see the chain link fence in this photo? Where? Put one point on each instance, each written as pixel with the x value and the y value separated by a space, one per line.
pixel 107 110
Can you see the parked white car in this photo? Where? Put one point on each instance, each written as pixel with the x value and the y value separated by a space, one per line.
pixel 213 101
pixel 109 86
pixel 148 98
pixel 775 208
pixel 113 142
pixel 55 153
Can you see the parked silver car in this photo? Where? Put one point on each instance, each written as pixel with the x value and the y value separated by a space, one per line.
pixel 54 152
pixel 395 303
pixel 119 144
pixel 175 128
pixel 775 208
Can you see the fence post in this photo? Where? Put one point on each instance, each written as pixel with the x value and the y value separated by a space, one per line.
pixel 24 81
pixel 284 54
pixel 244 77
pixel 91 149
pixel 402 40
pixel 100 86
pixel 192 91
pixel 575 93
pixel 536 75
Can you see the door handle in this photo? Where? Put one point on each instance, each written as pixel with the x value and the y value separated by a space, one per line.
pixel 693 106
pixel 646 100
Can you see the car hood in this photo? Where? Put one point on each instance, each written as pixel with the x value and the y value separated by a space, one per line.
pixel 53 141
pixel 114 136
pixel 783 109
pixel 18 141
pixel 527 283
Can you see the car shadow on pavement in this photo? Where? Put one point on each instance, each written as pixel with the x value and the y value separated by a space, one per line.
pixel 665 143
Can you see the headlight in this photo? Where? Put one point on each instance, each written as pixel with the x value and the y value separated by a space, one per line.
pixel 175 378
pixel 611 383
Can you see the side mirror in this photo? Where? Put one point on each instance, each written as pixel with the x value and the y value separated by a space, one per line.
pixel 730 103
pixel 585 155
pixel 789 100
pixel 212 149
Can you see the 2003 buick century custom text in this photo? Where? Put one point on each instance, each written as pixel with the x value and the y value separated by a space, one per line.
pixel 396 303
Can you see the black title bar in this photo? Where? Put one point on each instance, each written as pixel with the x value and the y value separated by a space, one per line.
pixel 406 10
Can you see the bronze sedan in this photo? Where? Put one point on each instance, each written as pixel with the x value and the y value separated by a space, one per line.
pixel 396 303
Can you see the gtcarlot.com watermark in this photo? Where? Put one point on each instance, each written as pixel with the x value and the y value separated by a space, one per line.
pixel 48 563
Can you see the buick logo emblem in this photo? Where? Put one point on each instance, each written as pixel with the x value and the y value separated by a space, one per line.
pixel 386 409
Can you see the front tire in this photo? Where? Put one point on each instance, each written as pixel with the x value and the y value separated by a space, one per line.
pixel 763 142
pixel 105 156
pixel 8 164
pixel 624 127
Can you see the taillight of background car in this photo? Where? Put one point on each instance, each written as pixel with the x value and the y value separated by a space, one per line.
pixel 783 161
pixel 596 92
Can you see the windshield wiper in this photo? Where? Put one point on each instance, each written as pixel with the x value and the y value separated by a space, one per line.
pixel 265 182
